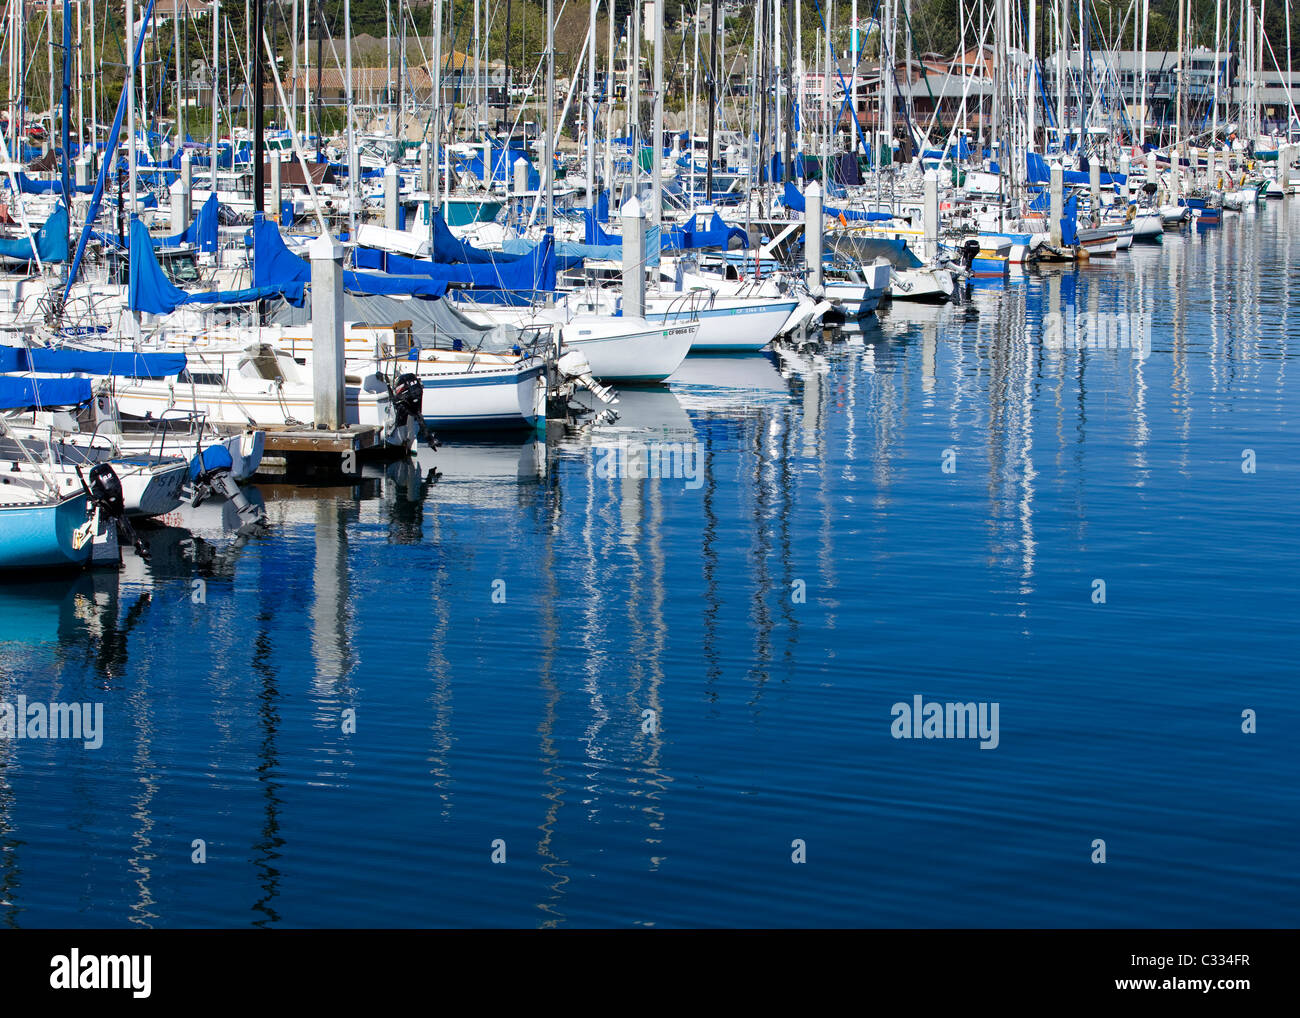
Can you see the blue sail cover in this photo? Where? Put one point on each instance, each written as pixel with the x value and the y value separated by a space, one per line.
pixel 274 265
pixel 1070 222
pixel 568 255
pixel 124 363
pixel 793 199
pixel 20 393
pixel 593 233
pixel 102 179
pixel 51 241
pixel 503 166
pixel 150 290
pixel 534 271
pixel 202 233
pixel 1039 172
pixel 718 234
pixel 451 250
pixel 29 186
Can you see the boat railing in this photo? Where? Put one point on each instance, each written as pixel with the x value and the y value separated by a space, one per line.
pixel 688 305
pixel 166 425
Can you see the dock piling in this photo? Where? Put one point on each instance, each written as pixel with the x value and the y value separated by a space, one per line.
pixel 327 331
pixel 390 196
pixel 813 226
pixel 1057 207
pixel 633 217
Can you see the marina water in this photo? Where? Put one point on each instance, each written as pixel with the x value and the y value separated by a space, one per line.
pixel 547 689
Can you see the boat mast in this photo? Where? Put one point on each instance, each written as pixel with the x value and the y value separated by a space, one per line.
pixel 547 152
pixel 259 110
pixel 657 121
pixel 1214 112
pixel 713 98
pixel 354 160
pixel 214 78
pixel 591 106
pixel 435 155
pixel 130 100
pixel 1146 20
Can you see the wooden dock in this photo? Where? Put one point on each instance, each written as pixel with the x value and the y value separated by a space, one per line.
pixel 296 454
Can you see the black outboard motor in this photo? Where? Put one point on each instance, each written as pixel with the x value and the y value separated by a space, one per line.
pixel 211 472
pixel 969 249
pixel 407 396
pixel 104 488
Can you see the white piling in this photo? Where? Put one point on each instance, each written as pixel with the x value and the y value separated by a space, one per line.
pixel 182 192
pixel 814 226
pixel 327 332
pixel 425 183
pixel 930 215
pixel 390 196
pixel 633 217
pixel 521 176
pixel 277 189
pixel 1056 208
pixel 1125 168
pixel 1094 184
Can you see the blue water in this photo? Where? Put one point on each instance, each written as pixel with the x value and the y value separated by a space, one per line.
pixel 524 720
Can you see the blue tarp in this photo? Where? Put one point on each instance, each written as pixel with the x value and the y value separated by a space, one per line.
pixel 534 271
pixel 202 233
pixel 149 289
pixel 593 234
pixel 794 200
pixel 1070 222
pixel 12 359
pixel 568 255
pixel 19 393
pixel 451 250
pixel 718 234
pixel 503 166
pixel 274 265
pixel 1036 169
pixel 29 186
pixel 126 363
pixel 1038 172
pixel 51 241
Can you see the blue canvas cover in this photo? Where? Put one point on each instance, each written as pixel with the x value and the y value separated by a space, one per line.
pixel 19 393
pixel 274 265
pixel 124 363
pixel 51 241
pixel 793 199
pixel 451 250
pixel 202 233
pixel 534 271
pixel 150 290
pixel 503 166
pixel 718 234
pixel 29 186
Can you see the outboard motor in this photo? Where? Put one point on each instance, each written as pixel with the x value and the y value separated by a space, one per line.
pixel 575 371
pixel 407 396
pixel 969 249
pixel 104 489
pixel 211 473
